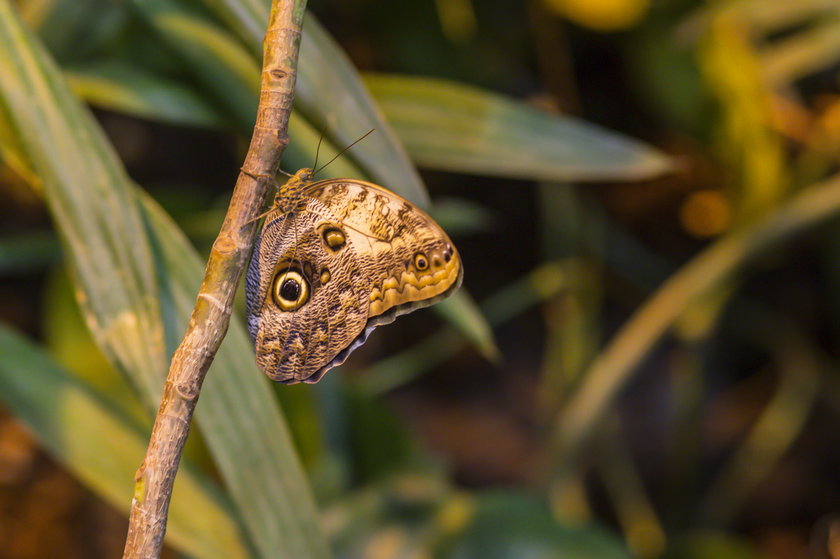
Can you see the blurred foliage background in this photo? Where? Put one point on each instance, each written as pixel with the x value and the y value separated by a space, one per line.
pixel 642 361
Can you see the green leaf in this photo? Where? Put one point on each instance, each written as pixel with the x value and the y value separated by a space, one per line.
pixel 116 248
pixel 129 89
pixel 89 196
pixel 453 127
pixel 331 92
pixel 75 29
pixel 228 73
pixel 103 448
pixel 461 216
pixel 506 525
pixel 247 18
pixel 461 311
pixel 302 150
pixel 71 346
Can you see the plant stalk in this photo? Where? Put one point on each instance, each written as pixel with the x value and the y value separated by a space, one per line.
pixel 211 316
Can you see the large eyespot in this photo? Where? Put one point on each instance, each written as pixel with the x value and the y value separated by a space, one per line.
pixel 421 262
pixel 290 290
pixel 334 238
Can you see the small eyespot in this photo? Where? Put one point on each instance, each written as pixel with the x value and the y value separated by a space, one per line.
pixel 325 276
pixel 420 261
pixel 447 255
pixel 334 238
pixel 290 290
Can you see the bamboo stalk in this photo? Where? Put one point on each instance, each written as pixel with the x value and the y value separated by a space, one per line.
pixel 211 315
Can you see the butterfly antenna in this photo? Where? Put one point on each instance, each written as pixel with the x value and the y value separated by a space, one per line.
pixel 345 149
pixel 318 149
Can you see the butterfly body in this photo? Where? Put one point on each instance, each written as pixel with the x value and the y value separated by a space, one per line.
pixel 335 259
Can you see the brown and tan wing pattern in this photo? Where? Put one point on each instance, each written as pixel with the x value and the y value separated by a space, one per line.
pixel 299 343
pixel 349 257
pixel 408 259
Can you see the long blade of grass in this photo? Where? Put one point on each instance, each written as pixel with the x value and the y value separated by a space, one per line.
pixel 77 165
pixel 102 448
pixel 642 528
pixel 123 88
pixel 67 28
pixel 331 92
pixel 240 420
pixel 619 360
pixel 130 89
pixel 571 320
pixel 461 311
pixel 453 127
pixel 804 53
pixel 800 368
pixel 245 17
pixel 228 73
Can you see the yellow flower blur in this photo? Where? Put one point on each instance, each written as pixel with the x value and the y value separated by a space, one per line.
pixel 601 15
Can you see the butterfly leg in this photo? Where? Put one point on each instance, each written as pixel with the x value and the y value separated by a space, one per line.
pixel 259 177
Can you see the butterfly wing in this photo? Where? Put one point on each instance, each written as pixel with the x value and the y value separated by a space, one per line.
pixel 350 257
pixel 406 256
pixel 306 301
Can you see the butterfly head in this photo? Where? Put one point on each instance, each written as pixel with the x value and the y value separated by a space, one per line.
pixel 303 176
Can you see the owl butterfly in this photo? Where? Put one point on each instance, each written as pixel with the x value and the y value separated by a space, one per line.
pixel 334 260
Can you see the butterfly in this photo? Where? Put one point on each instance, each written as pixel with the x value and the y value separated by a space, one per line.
pixel 333 260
